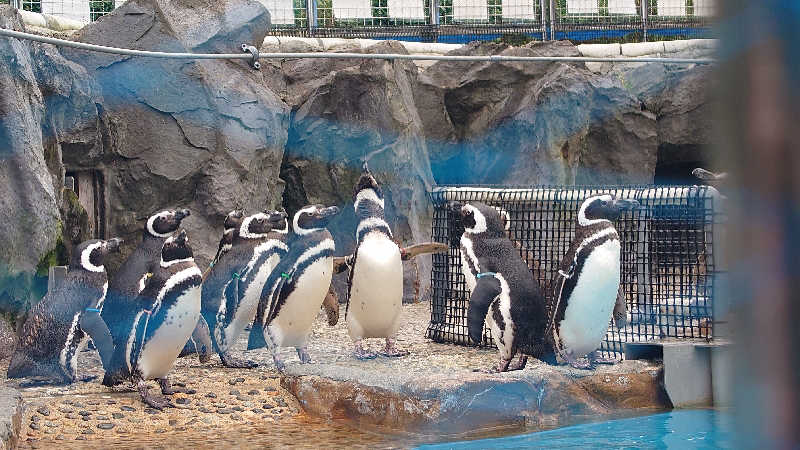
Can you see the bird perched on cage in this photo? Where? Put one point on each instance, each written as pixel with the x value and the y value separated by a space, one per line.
pixel 585 290
pixel 501 284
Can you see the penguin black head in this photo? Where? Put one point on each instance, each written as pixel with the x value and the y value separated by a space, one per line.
pixel 313 217
pixel 368 196
pixel 164 223
pixel 277 220
pixel 478 218
pixel 176 249
pixel 90 255
pixel 255 226
pixel 604 207
pixel 233 219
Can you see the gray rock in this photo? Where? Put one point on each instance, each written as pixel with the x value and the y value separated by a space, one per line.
pixel 43 410
pixel 117 415
pixel 344 111
pixel 29 190
pixel 105 425
pixel 127 408
pixel 515 123
pixel 8 339
pixel 215 131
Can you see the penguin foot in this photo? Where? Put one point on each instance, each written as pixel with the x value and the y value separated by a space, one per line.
pixel 153 402
pixel 363 354
pixel 279 364
pixel 393 352
pixel 302 353
pixel 168 389
pixel 519 364
pixel 594 358
pixel 236 363
pixel 580 363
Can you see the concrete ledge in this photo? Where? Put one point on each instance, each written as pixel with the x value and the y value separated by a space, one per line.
pixel 642 48
pixel 600 50
pixel 11 413
pixel 540 396
pixel 50 22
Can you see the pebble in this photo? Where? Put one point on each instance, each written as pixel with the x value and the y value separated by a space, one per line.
pixel 71 416
pixel 191 391
pixel 241 398
pixel 257 411
pixel 270 389
pixel 207 420
pixel 93 402
pixel 182 401
pixel 60 437
pixel 211 395
pixel 34 426
pixel 80 438
pixel 127 408
pixel 268 406
pixel 253 392
pixel 204 410
pixel 79 405
pixel 281 402
pixel 277 411
pixel 173 422
pixel 65 410
pixel 161 430
pixel 112 402
pixel 234 392
pixel 101 417
pixel 67 402
pixel 84 413
pixel 43 410
pixel 151 411
pixel 249 404
pixel 87 431
pixel 117 415
pixel 86 418
pixel 50 424
pixel 105 426
pixel 135 420
pixel 192 422
pixel 35 418
pixel 238 408
pixel 224 411
pixel 236 417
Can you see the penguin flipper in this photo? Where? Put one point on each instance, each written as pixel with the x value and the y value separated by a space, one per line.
pixel 486 290
pixel 279 296
pixel 96 328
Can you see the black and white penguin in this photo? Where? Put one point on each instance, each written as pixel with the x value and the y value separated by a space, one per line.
pixel 232 290
pixel 231 225
pixel 56 327
pixel 585 290
pixel 299 284
pixel 166 313
pixel 375 285
pixel 131 276
pixel 501 284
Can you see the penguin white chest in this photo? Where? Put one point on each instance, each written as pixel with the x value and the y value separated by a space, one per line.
pixel 468 258
pixel 589 308
pixel 291 326
pixel 376 293
pixel 162 349
pixel 248 302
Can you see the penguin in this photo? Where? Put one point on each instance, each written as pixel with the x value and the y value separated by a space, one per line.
pixel 297 287
pixel 200 341
pixel 56 327
pixel 586 287
pixel 230 226
pixel 232 290
pixel 500 283
pixel 375 284
pixel 165 314
pixel 132 275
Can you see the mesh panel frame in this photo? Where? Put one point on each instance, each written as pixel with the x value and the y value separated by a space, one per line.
pixel 667 256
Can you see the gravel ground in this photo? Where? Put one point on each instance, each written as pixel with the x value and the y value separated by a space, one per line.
pixel 89 414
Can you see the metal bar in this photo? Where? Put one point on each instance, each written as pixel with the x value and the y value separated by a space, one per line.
pixel 434 13
pixel 552 20
pixel 645 7
pixel 311 15
pixel 321 55
pixel 544 20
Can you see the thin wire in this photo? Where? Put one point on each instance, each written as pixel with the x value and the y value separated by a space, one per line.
pixel 386 56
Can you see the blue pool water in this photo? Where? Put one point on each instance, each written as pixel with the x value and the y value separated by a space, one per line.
pixel 672 430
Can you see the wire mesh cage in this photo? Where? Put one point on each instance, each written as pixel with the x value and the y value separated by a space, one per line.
pixel 667 256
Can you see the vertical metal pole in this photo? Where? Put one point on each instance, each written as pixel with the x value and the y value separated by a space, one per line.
pixel 544 20
pixel 311 14
pixel 434 13
pixel 645 7
pixel 552 20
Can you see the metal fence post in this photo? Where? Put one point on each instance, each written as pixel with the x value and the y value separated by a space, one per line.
pixel 645 7
pixel 552 20
pixel 544 20
pixel 434 13
pixel 16 4
pixel 311 13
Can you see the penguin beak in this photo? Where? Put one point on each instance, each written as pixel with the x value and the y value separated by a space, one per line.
pixel 456 207
pixel 182 213
pixel 236 213
pixel 330 211
pixel 276 216
pixel 364 167
pixel 113 244
pixel 624 204
pixel 181 238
